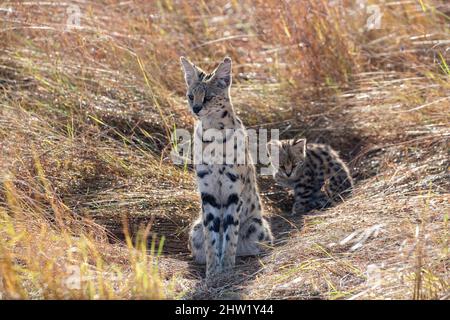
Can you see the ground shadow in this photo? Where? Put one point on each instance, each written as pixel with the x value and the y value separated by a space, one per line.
pixel 162 231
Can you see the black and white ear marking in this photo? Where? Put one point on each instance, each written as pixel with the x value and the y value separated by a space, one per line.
pixel 299 146
pixel 190 71
pixel 222 75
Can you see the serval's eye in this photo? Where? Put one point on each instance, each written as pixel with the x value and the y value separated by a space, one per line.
pixel 191 97
pixel 208 98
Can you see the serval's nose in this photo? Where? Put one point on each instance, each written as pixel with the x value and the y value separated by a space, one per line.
pixel 196 108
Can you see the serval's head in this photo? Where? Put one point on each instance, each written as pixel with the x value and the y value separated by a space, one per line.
pixel 207 93
pixel 291 157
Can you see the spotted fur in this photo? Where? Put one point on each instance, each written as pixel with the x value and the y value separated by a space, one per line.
pixel 315 172
pixel 231 222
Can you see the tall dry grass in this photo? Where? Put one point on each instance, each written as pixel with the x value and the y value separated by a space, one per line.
pixel 85 119
pixel 49 253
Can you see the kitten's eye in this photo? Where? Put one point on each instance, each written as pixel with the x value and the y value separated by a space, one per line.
pixel 191 97
pixel 208 98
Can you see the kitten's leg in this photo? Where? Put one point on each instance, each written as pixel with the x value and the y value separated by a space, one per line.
pixel 211 226
pixel 197 242
pixel 303 193
pixel 254 237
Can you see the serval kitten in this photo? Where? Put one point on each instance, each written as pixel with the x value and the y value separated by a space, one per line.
pixel 231 222
pixel 315 171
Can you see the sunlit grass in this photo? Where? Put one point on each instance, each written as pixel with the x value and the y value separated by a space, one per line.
pixel 86 117
pixel 48 253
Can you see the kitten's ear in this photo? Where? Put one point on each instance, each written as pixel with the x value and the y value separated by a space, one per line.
pixel 190 71
pixel 299 146
pixel 222 75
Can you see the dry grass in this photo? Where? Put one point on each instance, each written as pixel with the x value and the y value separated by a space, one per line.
pixel 85 116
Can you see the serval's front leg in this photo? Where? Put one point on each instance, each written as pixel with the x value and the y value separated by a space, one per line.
pixel 231 221
pixel 211 226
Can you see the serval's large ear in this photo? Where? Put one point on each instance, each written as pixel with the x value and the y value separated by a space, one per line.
pixel 299 147
pixel 222 75
pixel 190 71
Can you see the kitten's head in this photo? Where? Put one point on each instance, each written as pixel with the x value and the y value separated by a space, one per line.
pixel 204 89
pixel 291 157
